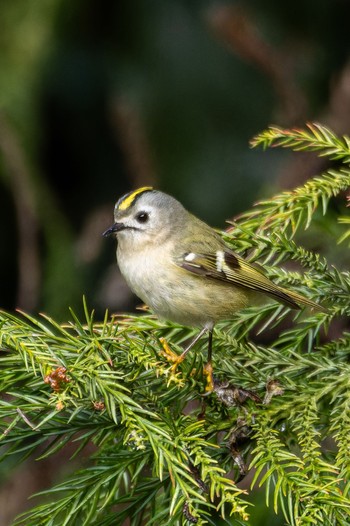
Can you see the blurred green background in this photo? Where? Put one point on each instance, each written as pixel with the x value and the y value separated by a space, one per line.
pixel 98 98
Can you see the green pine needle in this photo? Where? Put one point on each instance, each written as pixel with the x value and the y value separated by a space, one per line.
pixel 164 455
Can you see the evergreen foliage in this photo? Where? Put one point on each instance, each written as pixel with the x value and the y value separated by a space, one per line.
pixel 166 455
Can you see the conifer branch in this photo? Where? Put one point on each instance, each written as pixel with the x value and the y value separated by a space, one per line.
pixel 315 138
pixel 274 406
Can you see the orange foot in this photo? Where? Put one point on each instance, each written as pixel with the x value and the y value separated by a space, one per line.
pixel 170 355
pixel 208 372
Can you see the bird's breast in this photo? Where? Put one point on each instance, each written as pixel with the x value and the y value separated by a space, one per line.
pixel 176 294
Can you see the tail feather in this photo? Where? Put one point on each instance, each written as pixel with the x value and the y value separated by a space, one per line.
pixel 295 300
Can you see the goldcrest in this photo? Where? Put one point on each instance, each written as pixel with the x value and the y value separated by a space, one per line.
pixel 181 268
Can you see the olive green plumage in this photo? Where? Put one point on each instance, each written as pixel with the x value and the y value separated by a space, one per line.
pixel 181 268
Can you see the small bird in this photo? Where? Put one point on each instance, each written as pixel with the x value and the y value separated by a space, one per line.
pixel 182 269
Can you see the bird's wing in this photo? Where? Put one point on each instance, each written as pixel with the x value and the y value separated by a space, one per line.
pixel 226 266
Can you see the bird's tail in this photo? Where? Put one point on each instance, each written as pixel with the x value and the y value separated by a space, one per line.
pixel 295 300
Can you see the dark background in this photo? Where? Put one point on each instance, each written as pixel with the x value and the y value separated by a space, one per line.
pixel 98 98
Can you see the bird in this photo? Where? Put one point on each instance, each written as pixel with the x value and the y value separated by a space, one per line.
pixel 182 269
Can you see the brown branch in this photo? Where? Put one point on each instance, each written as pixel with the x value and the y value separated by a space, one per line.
pixel 237 30
pixel 133 142
pixel 336 115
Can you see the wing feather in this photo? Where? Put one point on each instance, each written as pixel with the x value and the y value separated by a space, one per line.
pixel 226 266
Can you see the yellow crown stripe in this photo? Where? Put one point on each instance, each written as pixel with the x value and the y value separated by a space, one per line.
pixel 130 198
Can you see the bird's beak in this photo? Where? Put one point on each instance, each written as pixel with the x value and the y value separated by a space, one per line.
pixel 117 227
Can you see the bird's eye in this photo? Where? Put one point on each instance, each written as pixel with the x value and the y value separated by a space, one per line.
pixel 142 217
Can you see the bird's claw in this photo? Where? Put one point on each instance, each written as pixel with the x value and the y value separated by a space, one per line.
pixel 176 359
pixel 170 355
pixel 208 373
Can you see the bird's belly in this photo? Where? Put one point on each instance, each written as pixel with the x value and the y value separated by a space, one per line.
pixel 186 298
pixel 201 301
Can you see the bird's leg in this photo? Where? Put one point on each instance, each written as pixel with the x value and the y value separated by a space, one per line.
pixel 208 367
pixel 178 358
